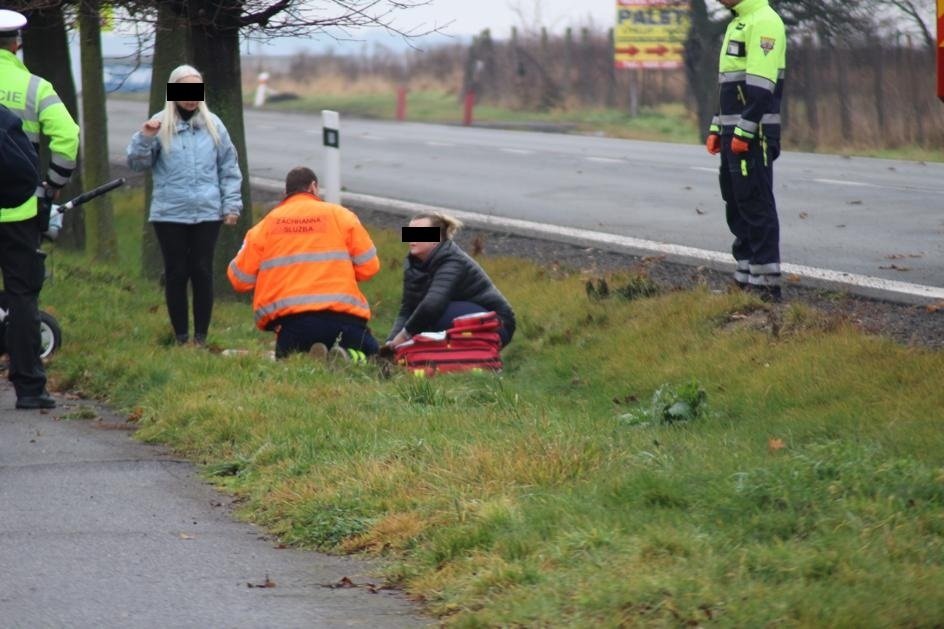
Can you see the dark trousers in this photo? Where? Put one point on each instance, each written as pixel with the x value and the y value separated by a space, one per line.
pixel 747 182
pixel 460 308
pixel 297 333
pixel 24 271
pixel 188 259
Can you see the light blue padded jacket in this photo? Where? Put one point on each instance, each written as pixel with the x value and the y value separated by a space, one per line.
pixel 197 180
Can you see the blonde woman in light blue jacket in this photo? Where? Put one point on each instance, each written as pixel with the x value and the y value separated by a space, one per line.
pixel 197 188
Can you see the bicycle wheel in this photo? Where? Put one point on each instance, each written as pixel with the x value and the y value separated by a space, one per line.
pixel 50 335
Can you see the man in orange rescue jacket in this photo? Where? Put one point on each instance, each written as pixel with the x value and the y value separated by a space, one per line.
pixel 304 260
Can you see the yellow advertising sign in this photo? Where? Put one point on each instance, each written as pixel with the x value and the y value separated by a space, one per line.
pixel 651 33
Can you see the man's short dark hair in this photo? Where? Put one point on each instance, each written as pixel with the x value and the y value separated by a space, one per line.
pixel 8 39
pixel 298 179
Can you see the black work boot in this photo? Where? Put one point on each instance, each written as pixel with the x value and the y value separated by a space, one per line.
pixel 31 402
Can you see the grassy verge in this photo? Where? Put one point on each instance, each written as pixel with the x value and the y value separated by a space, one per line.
pixel 668 460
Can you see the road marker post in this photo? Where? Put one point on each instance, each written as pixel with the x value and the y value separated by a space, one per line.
pixel 261 89
pixel 401 103
pixel 330 181
pixel 467 109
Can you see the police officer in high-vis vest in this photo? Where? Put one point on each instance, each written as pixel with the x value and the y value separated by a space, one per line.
pixel 746 132
pixel 35 102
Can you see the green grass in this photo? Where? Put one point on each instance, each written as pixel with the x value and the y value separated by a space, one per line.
pixel 805 488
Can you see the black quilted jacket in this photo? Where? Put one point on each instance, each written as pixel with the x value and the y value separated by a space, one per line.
pixel 448 274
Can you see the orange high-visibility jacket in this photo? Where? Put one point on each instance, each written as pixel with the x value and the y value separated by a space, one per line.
pixel 305 255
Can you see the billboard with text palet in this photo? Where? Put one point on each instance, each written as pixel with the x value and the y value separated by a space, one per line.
pixel 651 33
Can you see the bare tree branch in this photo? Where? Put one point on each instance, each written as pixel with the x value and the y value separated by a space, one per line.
pixel 908 8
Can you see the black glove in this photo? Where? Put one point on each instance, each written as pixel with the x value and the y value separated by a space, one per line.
pixel 44 207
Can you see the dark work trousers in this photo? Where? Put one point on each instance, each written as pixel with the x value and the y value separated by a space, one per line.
pixel 459 308
pixel 747 182
pixel 188 258
pixel 298 332
pixel 24 271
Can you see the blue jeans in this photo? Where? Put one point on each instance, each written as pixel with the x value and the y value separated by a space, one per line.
pixel 459 308
pixel 297 333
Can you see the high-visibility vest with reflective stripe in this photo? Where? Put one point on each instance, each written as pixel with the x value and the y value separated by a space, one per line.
pixel 34 100
pixel 304 256
pixel 751 72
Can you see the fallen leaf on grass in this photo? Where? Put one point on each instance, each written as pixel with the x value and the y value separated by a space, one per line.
pixel 268 583
pixel 135 414
pixel 774 445
pixel 478 245
pixel 935 307
pixel 793 278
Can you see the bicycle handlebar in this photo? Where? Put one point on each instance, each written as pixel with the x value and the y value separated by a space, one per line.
pixel 91 194
pixel 56 212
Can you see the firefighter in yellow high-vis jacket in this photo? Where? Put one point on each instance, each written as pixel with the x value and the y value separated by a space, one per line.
pixel 746 132
pixel 35 102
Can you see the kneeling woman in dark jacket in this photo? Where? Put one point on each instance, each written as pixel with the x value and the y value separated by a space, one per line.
pixel 441 282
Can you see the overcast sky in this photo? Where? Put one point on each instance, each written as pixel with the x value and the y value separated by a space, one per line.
pixel 468 17
pixel 457 18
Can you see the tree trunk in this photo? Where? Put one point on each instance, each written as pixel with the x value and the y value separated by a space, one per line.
pixel 842 84
pixel 216 55
pixel 610 71
pixel 702 48
pixel 102 241
pixel 46 54
pixel 811 98
pixel 877 53
pixel 171 49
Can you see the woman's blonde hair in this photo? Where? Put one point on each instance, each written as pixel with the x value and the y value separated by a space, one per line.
pixel 448 225
pixel 170 117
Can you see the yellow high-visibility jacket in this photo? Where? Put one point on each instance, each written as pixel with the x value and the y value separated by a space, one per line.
pixel 34 100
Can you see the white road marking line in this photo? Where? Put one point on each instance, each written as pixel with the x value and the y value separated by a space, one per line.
pixel 839 182
pixel 516 151
pixel 605 160
pixel 704 169
pixel 439 144
pixel 919 293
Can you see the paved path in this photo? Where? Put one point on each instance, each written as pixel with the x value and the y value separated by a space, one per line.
pixel 98 530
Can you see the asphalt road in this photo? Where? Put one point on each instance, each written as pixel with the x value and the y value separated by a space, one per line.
pixel 872 217
pixel 97 530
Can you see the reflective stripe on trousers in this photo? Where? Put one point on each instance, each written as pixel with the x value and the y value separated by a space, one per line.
pixel 747 188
